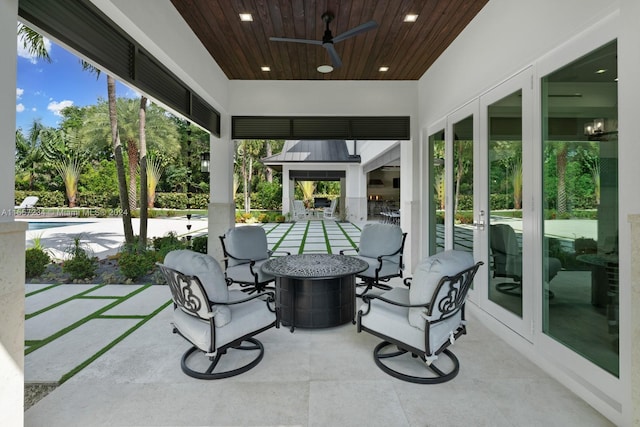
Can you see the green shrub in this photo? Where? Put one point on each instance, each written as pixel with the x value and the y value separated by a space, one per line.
pixel 135 262
pixel 80 264
pixel 167 243
pixel 199 244
pixel 36 261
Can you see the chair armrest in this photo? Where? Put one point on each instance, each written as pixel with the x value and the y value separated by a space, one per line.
pixel 342 251
pixel 270 294
pixel 239 259
pixel 367 299
pixel 278 252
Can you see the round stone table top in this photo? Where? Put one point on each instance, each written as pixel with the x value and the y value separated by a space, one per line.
pixel 314 266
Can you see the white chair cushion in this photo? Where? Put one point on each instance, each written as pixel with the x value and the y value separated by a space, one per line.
pixel 248 317
pixel 210 274
pixel 380 239
pixel 391 320
pixel 426 277
pixel 248 242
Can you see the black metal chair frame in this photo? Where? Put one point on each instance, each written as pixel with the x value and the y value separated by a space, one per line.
pixel 452 303
pixel 250 287
pixel 374 282
pixel 185 299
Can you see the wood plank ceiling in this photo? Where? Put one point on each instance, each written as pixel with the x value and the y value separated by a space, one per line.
pixel 408 49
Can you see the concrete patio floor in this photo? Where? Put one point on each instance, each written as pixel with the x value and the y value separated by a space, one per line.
pixel 113 348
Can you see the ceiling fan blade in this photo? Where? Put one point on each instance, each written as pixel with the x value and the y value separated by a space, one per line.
pixel 284 39
pixel 356 30
pixel 335 58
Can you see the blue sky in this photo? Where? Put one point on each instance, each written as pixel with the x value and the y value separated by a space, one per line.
pixel 43 88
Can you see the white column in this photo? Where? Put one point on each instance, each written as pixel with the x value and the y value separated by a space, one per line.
pixel 222 206
pixel 356 196
pixel 410 201
pixel 12 234
pixel 287 191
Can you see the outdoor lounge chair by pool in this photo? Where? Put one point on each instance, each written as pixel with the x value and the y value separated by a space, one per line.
pixel 28 203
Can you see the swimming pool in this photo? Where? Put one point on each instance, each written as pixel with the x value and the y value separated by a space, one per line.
pixel 42 225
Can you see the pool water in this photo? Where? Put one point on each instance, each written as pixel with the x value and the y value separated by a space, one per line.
pixel 44 225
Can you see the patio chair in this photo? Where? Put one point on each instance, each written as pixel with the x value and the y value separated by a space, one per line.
pixel 245 250
pixel 381 247
pixel 299 211
pixel 507 259
pixel 330 212
pixel 28 203
pixel 421 321
pixel 216 321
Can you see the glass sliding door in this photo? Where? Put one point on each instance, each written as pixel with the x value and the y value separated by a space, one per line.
pixel 506 128
pixel 505 202
pixel 436 188
pixel 463 211
pixel 580 197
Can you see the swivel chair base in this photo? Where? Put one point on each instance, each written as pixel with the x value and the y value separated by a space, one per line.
pixel 208 374
pixel 438 376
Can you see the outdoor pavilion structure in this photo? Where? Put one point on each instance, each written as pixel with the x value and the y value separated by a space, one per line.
pixel 323 160
pixel 505 38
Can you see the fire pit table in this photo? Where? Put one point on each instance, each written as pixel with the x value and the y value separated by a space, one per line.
pixel 315 290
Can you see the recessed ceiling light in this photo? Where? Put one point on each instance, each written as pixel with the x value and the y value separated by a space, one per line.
pixel 265 68
pixel 383 69
pixel 601 71
pixel 325 69
pixel 246 17
pixel 410 17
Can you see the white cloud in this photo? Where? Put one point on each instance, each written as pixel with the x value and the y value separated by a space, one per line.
pixel 19 92
pixel 24 53
pixel 56 107
pixel 19 108
pixel 34 109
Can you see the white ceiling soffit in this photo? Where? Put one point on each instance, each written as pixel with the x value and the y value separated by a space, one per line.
pixel 391 156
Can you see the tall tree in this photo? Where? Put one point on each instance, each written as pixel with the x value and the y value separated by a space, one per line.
pixel 29 150
pixel 117 152
pixel 143 173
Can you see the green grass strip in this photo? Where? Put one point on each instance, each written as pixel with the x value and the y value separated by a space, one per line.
pixel 99 296
pixel 122 316
pixel 112 344
pixel 279 242
pixel 326 238
pixel 29 343
pixel 42 290
pixel 346 235
pixel 82 321
pixel 59 303
pixel 304 238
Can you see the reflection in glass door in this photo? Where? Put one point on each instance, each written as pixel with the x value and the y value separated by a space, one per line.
pixel 463 212
pixel 580 185
pixel 436 194
pixel 505 202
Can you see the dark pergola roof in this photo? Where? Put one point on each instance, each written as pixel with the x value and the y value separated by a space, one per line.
pixel 309 151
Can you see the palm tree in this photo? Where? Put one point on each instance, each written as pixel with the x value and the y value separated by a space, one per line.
pixel 142 114
pixel 29 151
pixel 33 42
pixel 307 188
pixel 117 152
pixel 154 173
pixel 70 169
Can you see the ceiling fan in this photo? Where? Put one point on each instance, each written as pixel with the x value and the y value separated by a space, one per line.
pixel 328 40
